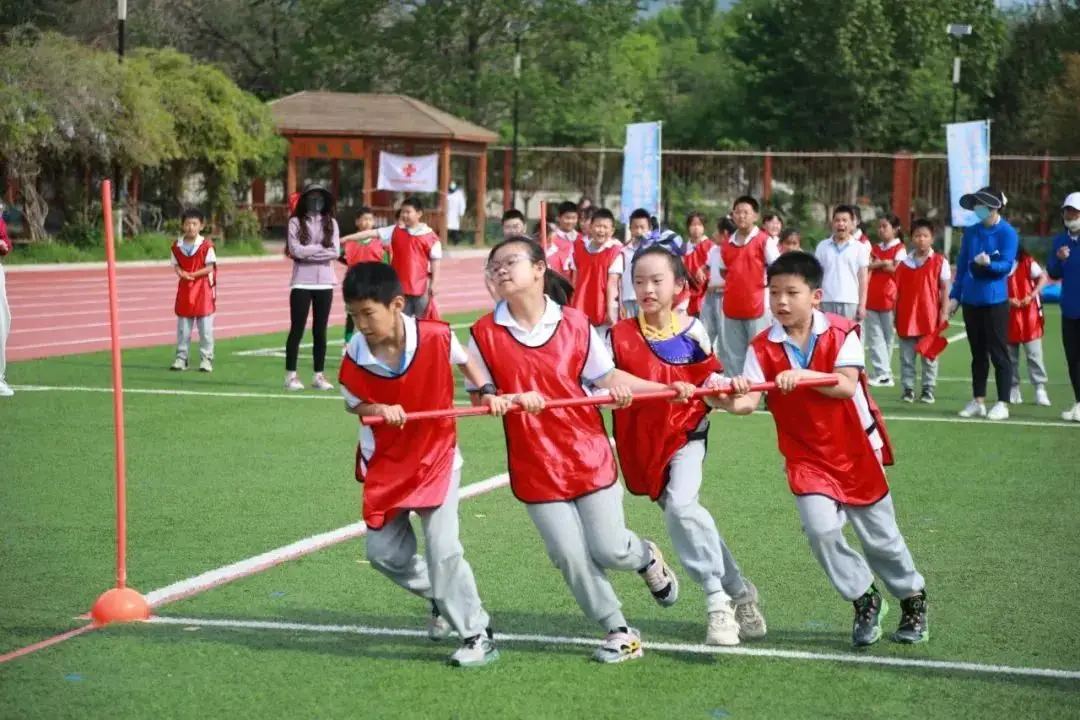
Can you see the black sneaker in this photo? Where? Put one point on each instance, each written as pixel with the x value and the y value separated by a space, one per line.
pixel 927 396
pixel 913 628
pixel 908 395
pixel 869 610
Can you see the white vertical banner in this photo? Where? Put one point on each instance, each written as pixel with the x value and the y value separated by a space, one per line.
pixel 968 146
pixel 641 170
pixel 403 173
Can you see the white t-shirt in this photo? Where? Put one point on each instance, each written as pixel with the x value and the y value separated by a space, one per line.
pixel 626 292
pixel 598 362
pixel 851 355
pixel 716 264
pixel 189 250
pixel 361 354
pixel 618 265
pixel 387 233
pixel 842 264
pixel 915 263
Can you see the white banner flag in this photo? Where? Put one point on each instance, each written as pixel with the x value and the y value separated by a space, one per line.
pixel 408 174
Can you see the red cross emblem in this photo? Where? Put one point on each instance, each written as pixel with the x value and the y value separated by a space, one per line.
pixel 409 170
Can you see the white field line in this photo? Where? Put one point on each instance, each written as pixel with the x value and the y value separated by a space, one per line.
pixel 272 558
pixel 333 396
pixel 277 351
pixel 848 658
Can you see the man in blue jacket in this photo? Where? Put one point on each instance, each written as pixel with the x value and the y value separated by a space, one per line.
pixel 1064 265
pixel 987 253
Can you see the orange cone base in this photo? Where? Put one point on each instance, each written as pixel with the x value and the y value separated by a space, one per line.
pixel 120 605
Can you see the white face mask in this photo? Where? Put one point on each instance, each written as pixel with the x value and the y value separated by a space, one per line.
pixel 1073 225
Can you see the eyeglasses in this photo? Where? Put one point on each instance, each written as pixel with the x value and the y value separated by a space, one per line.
pixel 493 268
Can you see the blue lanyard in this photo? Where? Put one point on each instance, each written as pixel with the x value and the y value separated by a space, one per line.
pixel 803 358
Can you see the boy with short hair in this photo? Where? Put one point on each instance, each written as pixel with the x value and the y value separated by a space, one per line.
pixel 513 223
pixel 354 252
pixel 416 466
pixel 561 242
pixel 834 443
pixel 846 264
pixel 743 261
pixel 415 254
pixel 597 266
pixel 922 304
pixel 194 261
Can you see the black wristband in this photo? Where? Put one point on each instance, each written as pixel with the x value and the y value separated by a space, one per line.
pixel 488 389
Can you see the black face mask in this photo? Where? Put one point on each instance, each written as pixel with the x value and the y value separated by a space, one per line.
pixel 315 204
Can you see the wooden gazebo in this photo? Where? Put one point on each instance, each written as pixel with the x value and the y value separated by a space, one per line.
pixel 351 127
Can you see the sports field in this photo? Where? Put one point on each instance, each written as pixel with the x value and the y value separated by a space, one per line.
pixel 226 467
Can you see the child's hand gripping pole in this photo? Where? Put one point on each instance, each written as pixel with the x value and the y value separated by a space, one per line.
pixel 587 401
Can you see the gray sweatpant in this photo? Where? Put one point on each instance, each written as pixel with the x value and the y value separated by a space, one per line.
pixel 878 335
pixel 1036 366
pixel 184 326
pixel 737 335
pixel 712 316
pixel 703 553
pixel 887 554
pixel 908 358
pixel 5 322
pixel 443 574
pixel 584 537
pixel 847 310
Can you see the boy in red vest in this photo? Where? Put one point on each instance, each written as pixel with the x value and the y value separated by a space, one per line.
pixel 415 466
pixel 354 252
pixel 596 267
pixel 1026 324
pixel 415 252
pixel 743 260
pixel 922 304
pixel 834 443
pixel 561 242
pixel 195 262
pixel 885 256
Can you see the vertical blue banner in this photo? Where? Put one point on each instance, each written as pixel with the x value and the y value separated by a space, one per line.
pixel 969 165
pixel 641 170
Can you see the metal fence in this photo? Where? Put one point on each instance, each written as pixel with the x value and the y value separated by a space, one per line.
pixel 804 186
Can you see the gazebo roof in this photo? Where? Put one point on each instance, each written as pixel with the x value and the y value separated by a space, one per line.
pixel 371 115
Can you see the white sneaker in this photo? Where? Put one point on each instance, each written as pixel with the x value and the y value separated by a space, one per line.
pixel 319 382
pixel 749 617
pixel 973 409
pixel 661 580
pixel 1015 398
pixel 178 364
pixel 6 391
pixel 293 383
pixel 1041 397
pixel 1000 411
pixel 207 365
pixel 722 628
pixel 438 629
pixel 1072 415
pixel 883 381
pixel 619 647
pixel 475 652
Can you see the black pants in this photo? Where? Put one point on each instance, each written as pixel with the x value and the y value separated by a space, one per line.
pixel 299 302
pixel 1070 338
pixel 988 334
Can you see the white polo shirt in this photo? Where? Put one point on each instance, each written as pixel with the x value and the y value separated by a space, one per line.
pixel 361 354
pixel 626 291
pixel 841 264
pixel 598 362
pixel 914 262
pixel 851 355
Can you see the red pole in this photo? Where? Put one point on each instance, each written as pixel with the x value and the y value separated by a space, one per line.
pixel 508 170
pixel 118 391
pixel 766 182
pixel 593 400
pixel 543 225
pixel 1044 217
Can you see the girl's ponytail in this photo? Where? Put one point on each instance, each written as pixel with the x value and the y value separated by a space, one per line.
pixel 557 287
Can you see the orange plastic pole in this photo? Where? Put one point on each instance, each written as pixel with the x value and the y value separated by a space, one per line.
pixel 543 225
pixel 594 400
pixel 118 390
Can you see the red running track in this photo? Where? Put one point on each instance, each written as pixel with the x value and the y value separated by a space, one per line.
pixel 65 312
